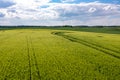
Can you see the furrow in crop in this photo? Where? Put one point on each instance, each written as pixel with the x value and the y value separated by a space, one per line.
pixel 35 59
pixel 94 46
pixel 8 67
pixel 29 59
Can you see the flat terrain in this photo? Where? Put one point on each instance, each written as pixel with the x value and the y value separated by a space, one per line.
pixel 51 54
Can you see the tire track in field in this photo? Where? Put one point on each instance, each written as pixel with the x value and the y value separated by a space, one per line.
pixel 29 59
pixel 92 45
pixel 75 40
pixel 35 59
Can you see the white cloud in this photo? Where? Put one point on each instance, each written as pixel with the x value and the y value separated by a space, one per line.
pixel 65 1
pixel 43 11
pixel 29 4
pixel 92 10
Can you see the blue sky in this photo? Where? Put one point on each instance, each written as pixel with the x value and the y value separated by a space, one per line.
pixel 59 12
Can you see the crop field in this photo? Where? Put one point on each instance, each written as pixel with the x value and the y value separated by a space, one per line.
pixel 51 54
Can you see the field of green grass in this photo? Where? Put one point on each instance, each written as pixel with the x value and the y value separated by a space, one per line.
pixel 51 54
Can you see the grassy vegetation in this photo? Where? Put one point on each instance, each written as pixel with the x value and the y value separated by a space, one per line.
pixel 55 54
pixel 110 30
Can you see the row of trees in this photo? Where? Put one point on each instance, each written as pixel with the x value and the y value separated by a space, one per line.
pixel 81 26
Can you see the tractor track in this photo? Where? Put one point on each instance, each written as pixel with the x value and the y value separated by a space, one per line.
pixel 32 59
pixel 29 59
pixel 35 59
pixel 86 43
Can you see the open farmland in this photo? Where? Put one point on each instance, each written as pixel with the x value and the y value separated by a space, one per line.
pixel 49 54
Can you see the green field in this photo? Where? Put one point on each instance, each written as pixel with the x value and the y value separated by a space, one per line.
pixel 60 54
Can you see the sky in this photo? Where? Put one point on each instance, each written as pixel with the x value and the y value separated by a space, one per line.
pixel 60 12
